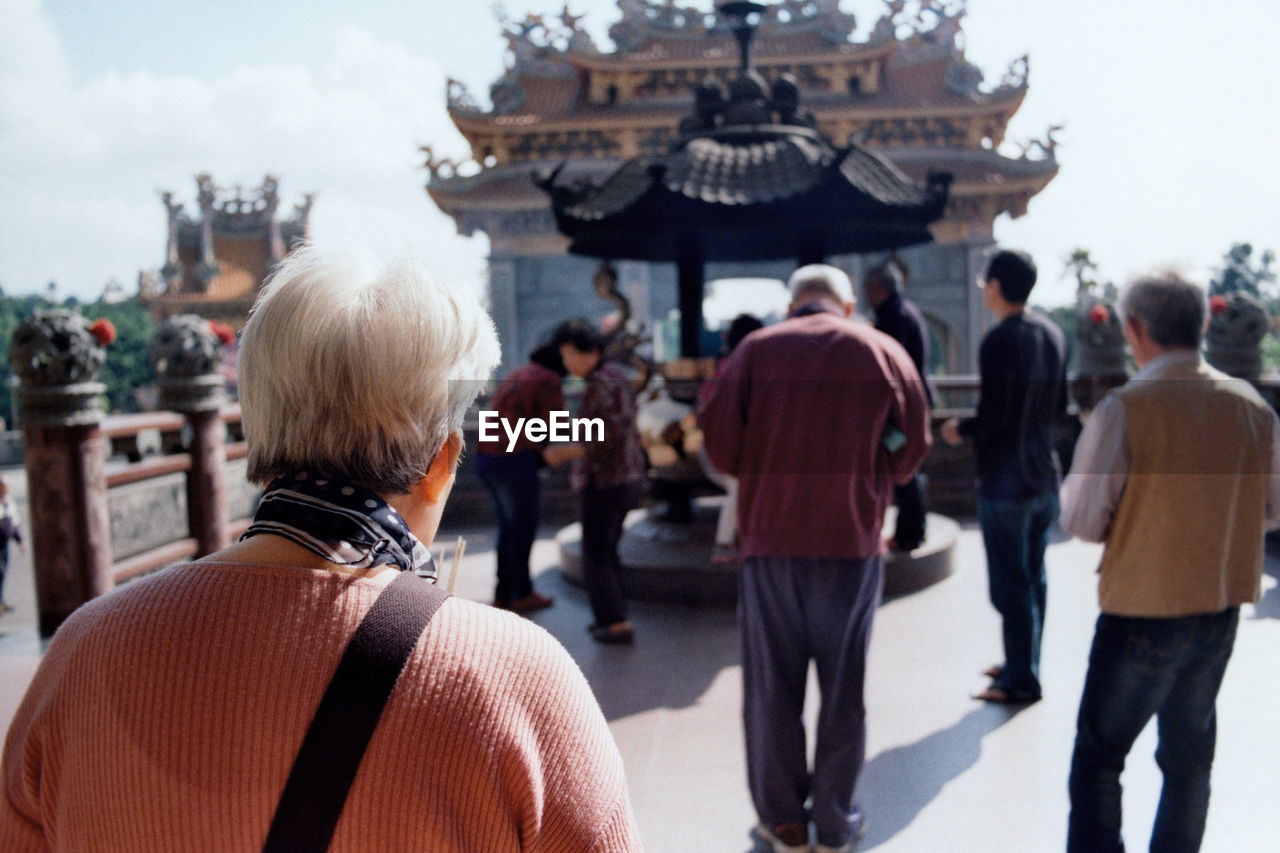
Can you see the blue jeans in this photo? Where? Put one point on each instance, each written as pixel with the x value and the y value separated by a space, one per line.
pixel 1169 668
pixel 1015 532
pixel 512 481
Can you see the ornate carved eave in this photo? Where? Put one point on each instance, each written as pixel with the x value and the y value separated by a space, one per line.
pixel 644 20
pixel 904 89
pixel 191 264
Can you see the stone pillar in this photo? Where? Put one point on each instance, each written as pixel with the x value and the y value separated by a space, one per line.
pixel 56 356
pixel 185 354
pixel 1233 344
pixel 1100 363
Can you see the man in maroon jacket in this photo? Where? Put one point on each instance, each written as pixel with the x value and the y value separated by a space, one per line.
pixel 818 417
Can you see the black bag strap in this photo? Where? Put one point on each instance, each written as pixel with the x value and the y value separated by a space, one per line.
pixel 335 743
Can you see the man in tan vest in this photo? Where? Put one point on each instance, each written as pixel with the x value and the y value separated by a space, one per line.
pixel 1177 473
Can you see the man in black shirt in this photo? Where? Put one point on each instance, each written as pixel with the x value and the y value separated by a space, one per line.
pixel 1023 373
pixel 900 319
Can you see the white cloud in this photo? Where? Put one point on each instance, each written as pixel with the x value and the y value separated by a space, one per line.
pixel 83 162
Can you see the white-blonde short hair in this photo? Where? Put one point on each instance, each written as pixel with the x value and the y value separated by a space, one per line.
pixel 819 280
pixel 357 369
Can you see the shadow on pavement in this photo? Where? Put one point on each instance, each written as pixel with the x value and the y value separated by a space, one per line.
pixel 1268 607
pixel 899 783
pixel 678 652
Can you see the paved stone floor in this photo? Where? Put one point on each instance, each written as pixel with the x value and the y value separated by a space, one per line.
pixel 944 773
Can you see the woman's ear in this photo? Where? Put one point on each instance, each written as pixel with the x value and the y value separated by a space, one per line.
pixel 440 474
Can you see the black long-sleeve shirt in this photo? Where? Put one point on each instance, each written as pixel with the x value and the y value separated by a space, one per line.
pixel 900 319
pixel 1022 366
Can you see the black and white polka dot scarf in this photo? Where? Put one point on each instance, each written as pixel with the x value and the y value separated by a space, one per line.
pixel 344 524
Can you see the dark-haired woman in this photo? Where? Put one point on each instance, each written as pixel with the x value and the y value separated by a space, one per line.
pixel 609 475
pixel 511 476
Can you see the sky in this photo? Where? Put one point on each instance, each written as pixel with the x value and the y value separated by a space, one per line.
pixel 1168 156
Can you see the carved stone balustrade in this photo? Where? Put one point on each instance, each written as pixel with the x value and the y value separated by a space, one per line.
pixel 57 359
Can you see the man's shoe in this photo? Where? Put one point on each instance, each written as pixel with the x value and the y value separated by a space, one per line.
pixel 1001 696
pixel 849 846
pixel 531 602
pixel 785 837
pixel 617 634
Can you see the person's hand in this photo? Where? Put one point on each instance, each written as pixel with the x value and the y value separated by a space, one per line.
pixel 950 432
pixel 692 441
pixel 558 454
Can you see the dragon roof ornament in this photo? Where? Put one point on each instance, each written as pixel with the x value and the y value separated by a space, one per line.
pixel 643 19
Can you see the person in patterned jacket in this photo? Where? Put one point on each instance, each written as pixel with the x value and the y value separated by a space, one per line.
pixel 609 475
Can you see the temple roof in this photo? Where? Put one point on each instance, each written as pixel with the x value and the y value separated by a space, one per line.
pixel 223 253
pixel 549 82
pixel 547 103
pixel 972 170
pixel 904 90
pixel 749 178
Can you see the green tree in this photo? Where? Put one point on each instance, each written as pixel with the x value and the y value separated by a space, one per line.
pixel 1080 263
pixel 126 368
pixel 13 310
pixel 1239 273
pixel 1064 316
pixel 1084 268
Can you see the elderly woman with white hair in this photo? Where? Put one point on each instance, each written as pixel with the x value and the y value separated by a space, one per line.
pixel 216 705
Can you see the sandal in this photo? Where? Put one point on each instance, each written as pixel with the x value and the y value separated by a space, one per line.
pixel 617 634
pixel 1000 696
pixel 994 671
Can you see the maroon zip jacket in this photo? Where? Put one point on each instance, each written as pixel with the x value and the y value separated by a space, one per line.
pixel 799 416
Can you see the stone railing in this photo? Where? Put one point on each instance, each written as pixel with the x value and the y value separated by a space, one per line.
pixel 72 484
pixel 158 511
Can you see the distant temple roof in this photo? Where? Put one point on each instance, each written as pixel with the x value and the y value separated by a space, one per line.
pixel 216 261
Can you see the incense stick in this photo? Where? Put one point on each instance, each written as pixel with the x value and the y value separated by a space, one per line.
pixel 459 548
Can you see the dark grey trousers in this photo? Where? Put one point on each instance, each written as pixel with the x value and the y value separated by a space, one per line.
pixel 792 610
pixel 603 513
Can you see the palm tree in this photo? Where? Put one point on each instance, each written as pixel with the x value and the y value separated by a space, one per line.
pixel 1081 264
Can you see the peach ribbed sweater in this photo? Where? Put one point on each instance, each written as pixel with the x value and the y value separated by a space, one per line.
pixel 166 716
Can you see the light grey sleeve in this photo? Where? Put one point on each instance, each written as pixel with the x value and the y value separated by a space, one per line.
pixel 1273 489
pixel 1099 470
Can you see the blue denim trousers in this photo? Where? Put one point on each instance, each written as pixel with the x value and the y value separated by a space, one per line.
pixel 512 481
pixel 1167 668
pixel 1015 532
